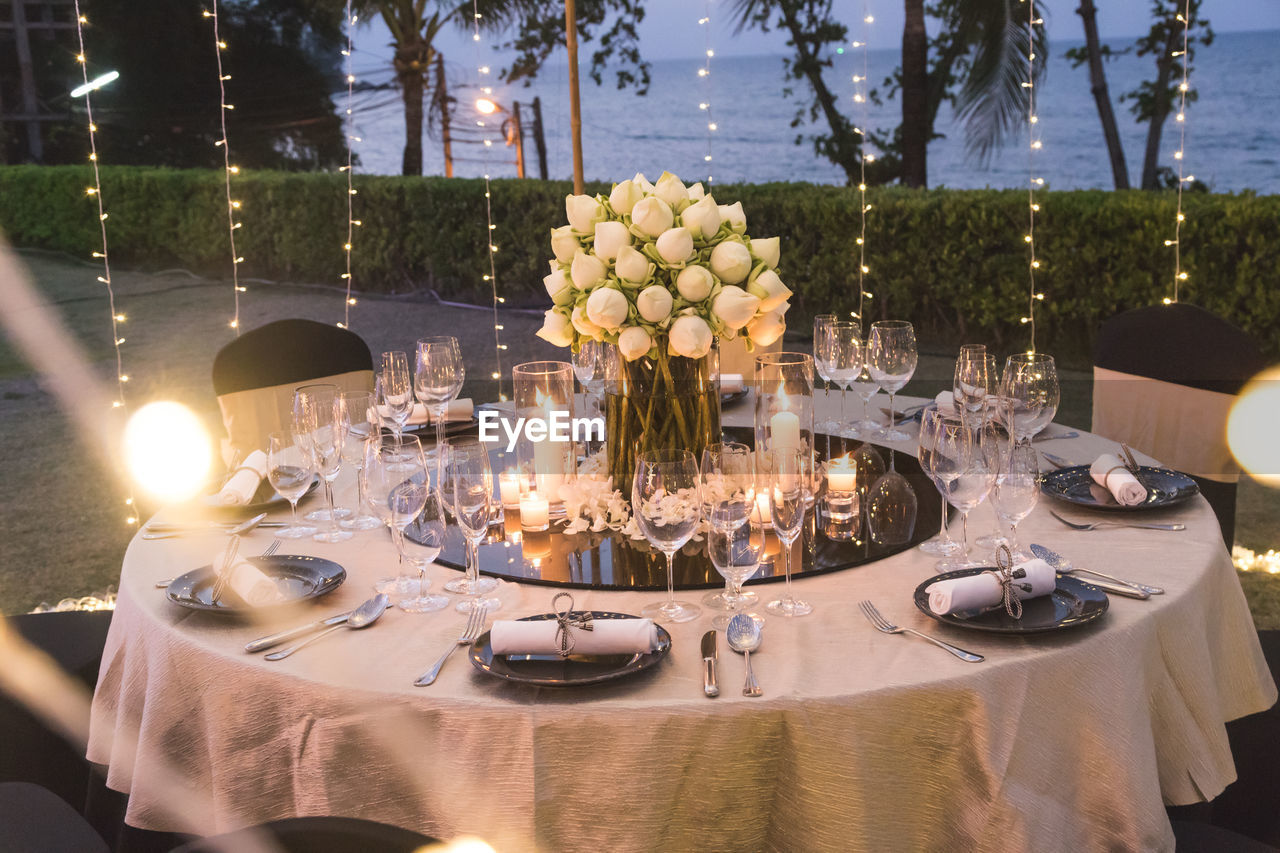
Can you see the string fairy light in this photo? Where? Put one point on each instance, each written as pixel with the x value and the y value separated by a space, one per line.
pixel 1179 274
pixel 352 222
pixel 492 277
pixel 233 205
pixel 704 74
pixel 862 97
pixel 95 191
pixel 1033 145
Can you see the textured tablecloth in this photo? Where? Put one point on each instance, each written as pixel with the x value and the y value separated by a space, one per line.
pixel 861 740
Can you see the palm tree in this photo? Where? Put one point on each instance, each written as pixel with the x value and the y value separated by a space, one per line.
pixel 413 33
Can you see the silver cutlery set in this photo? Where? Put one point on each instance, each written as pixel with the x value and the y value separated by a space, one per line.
pixel 744 635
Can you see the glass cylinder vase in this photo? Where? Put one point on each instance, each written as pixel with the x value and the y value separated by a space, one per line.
pixel 784 401
pixel 545 452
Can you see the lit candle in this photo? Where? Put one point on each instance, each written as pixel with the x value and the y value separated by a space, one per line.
pixel 842 476
pixel 784 428
pixel 548 456
pixel 509 488
pixel 534 512
pixel 762 515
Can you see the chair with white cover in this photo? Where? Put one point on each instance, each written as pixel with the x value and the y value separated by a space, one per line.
pixel 1164 380
pixel 255 375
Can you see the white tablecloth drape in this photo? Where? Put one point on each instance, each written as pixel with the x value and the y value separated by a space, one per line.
pixel 861 740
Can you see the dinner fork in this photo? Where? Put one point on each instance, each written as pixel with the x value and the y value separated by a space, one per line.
pixel 472 630
pixel 1103 525
pixel 267 552
pixel 885 626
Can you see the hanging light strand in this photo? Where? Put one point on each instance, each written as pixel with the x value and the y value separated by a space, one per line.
pixel 486 91
pixel 704 73
pixel 349 126
pixel 1179 274
pixel 117 318
pixel 233 206
pixel 1033 145
pixel 862 97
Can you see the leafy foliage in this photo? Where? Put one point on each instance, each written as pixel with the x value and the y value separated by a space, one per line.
pixel 951 261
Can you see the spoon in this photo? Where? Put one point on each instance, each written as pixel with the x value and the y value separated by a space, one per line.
pixel 243 527
pixel 744 637
pixel 1063 566
pixel 362 617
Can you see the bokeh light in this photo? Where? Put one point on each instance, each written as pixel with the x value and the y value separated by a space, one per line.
pixel 1251 428
pixel 168 451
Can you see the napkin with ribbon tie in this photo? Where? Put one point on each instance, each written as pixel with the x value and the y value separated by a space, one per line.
pixel 543 637
pixel 243 484
pixel 975 592
pixel 458 410
pixel 1110 473
pixel 252 586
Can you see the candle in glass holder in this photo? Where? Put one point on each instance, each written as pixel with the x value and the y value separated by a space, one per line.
pixel 762 515
pixel 509 488
pixel 535 512
pixel 784 429
pixel 842 476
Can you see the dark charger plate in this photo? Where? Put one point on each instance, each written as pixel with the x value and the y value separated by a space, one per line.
pixel 264 500
pixel 1072 603
pixel 298 576
pixel 573 671
pixel 1165 488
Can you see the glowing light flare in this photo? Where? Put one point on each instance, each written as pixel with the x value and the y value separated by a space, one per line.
pixel 1251 428
pixel 94 84
pixel 168 451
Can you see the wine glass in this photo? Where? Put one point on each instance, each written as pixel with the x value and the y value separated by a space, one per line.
pixel 394 388
pixel 788 494
pixel 437 379
pixel 1016 490
pixel 931 423
pixel 358 421
pixel 393 466
pixel 734 548
pixel 821 363
pixel 1030 381
pixel 316 412
pixel 846 361
pixel 891 353
pixel 727 489
pixel 667 507
pixel 420 540
pixel 301 396
pixel 468 478
pixel 974 453
pixel 289 471
pixel 865 387
pixel 975 378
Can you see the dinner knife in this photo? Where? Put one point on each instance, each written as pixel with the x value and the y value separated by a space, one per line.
pixel 709 665
pixel 285 636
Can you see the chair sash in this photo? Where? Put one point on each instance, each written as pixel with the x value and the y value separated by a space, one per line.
pixel 250 416
pixel 1183 427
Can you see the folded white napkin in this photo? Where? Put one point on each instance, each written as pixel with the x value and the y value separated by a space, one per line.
pixel 457 410
pixel 242 486
pixel 731 383
pixel 977 591
pixel 1109 472
pixel 252 586
pixel 606 637
pixel 946 402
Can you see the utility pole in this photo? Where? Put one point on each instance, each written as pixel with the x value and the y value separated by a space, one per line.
pixel 539 140
pixel 27 76
pixel 518 133
pixel 442 96
pixel 575 108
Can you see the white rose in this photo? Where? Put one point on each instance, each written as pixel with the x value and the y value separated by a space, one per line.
pixel 607 308
pixel 695 283
pixel 556 329
pixel 671 190
pixel 654 303
pixel 634 342
pixel 652 216
pixel 583 212
pixel 696 191
pixel 583 323
pixel 767 249
pixel 766 328
pixel 702 218
pixel 732 213
pixel 632 265
pixel 587 270
pixel 610 237
pixel 642 182
pixel 690 336
pixel 731 261
pixel 734 306
pixel 770 289
pixel 563 243
pixel 559 287
pixel 675 245
pixel 624 197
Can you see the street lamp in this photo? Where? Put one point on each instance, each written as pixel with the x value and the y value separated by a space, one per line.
pixel 94 84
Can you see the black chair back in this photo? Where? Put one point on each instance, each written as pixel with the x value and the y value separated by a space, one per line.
pixel 288 351
pixel 316 835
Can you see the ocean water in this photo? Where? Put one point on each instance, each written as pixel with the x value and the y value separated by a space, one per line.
pixel 1232 133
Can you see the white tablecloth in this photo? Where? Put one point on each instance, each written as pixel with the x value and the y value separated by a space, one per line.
pixel 861 740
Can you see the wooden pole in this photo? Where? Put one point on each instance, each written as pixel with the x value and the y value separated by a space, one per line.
pixel 518 132
pixel 27 77
pixel 539 140
pixel 575 108
pixel 443 95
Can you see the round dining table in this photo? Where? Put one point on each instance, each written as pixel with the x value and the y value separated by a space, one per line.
pixel 862 740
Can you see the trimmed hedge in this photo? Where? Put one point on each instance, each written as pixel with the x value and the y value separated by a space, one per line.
pixel 953 261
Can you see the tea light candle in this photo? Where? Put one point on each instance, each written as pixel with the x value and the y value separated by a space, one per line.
pixel 842 476
pixel 784 428
pixel 535 512
pixel 509 488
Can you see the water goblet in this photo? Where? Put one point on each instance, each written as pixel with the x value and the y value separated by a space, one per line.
pixel 667 507
pixel 394 469
pixel 468 479
pixel 734 548
pixel 931 422
pixel 1030 381
pixel 1016 490
pixel 726 481
pixel 789 490
pixel 865 387
pixel 359 421
pixel 317 418
pixel 437 380
pixel 289 472
pixel 303 396
pixel 975 378
pixel 394 389
pixel 821 364
pixel 846 359
pixel 891 353
pixel 420 540
pixel 971 456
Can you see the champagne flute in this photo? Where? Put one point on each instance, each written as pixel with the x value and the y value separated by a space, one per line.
pixel 667 507
pixel 1016 490
pixel 420 541
pixel 359 421
pixel 976 449
pixel 931 424
pixel 975 378
pixel 289 471
pixel 846 363
pixel 1030 381
pixel 788 493
pixel 437 380
pixel 467 476
pixel 394 387
pixel 891 353
pixel 734 548
pixel 317 412
pixel 822 345
pixel 394 466
pixel 301 396
pixel 865 387
pixel 727 487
